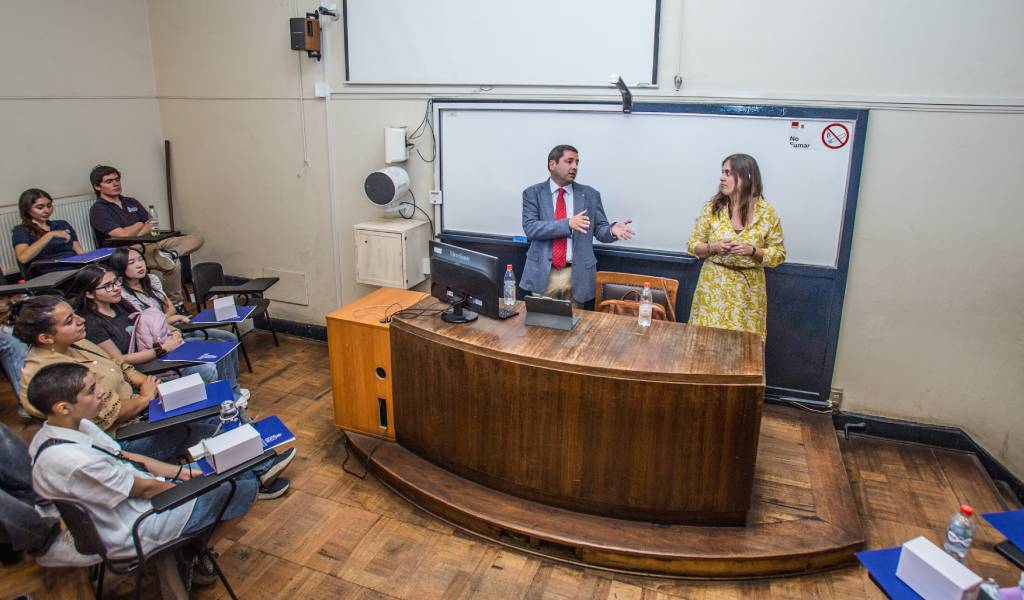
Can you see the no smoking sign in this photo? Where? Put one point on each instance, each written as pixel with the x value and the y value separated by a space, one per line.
pixel 835 135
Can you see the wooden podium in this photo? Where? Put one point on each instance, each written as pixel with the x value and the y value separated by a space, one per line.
pixel 658 424
pixel 360 356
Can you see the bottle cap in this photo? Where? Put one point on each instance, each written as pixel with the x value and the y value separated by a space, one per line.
pixel 966 510
pixel 508 267
pixel 647 285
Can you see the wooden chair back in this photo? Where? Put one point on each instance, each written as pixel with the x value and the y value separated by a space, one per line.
pixel 627 286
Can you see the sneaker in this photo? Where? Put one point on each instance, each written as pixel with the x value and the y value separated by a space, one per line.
pixel 62 553
pixel 275 489
pixel 203 572
pixel 277 466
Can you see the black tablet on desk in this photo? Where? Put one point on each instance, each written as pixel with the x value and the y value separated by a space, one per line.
pixel 549 312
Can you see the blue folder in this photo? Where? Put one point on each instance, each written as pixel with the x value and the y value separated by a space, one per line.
pixel 207 317
pixel 87 257
pixel 882 566
pixel 1010 524
pixel 201 351
pixel 216 392
pixel 271 429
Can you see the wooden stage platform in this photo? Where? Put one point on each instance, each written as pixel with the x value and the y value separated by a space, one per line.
pixel 802 519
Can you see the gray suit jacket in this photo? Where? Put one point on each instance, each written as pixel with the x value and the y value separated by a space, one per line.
pixel 541 228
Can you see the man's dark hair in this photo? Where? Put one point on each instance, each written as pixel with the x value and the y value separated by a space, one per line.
pixel 98 173
pixel 61 382
pixel 557 152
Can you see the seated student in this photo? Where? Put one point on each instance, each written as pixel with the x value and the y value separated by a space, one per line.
pixel 97 296
pixel 27 522
pixel 56 335
pixel 37 237
pixel 75 460
pixel 114 215
pixel 143 290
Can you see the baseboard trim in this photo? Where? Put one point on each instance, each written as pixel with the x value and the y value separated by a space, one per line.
pixel 302 330
pixel 939 436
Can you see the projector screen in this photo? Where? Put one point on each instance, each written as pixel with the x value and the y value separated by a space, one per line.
pixel 526 42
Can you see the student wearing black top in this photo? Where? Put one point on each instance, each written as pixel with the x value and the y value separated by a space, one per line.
pixel 39 238
pixel 97 298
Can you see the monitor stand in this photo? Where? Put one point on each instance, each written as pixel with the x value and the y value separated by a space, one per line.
pixel 458 314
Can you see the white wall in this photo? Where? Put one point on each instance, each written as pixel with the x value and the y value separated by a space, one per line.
pixel 931 328
pixel 77 90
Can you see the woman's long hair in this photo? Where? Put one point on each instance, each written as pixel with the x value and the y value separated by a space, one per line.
pixel 85 282
pixel 119 264
pixel 25 202
pixel 745 169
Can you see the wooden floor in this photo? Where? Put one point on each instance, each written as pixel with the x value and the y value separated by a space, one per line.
pixel 337 536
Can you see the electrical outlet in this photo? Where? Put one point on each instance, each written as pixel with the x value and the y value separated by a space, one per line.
pixel 835 398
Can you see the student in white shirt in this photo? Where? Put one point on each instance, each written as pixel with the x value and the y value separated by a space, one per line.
pixel 89 467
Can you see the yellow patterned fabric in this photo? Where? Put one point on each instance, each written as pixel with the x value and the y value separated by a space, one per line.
pixel 730 292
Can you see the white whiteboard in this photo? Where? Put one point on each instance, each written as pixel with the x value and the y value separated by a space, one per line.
pixel 530 42
pixel 656 168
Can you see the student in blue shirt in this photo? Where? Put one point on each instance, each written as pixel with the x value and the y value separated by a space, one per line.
pixel 39 238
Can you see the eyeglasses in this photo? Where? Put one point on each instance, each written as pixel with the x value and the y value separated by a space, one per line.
pixel 110 287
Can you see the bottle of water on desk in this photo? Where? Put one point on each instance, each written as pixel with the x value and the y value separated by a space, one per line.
pixel 508 298
pixel 646 306
pixel 228 417
pixel 154 221
pixel 960 533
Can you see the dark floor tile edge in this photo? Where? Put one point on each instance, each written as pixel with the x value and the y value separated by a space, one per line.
pixel 939 436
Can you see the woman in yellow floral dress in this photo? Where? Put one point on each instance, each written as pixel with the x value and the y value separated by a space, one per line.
pixel 739 234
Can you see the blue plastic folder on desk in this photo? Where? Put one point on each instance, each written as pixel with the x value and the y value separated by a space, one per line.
pixel 882 566
pixel 197 351
pixel 271 429
pixel 88 257
pixel 216 392
pixel 207 317
pixel 1010 524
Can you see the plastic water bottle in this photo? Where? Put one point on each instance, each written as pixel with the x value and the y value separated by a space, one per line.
pixel 989 590
pixel 228 417
pixel 644 316
pixel 508 298
pixel 154 221
pixel 960 533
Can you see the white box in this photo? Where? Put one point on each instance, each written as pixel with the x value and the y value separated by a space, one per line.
pixel 935 575
pixel 390 252
pixel 233 448
pixel 181 392
pixel 395 148
pixel 224 308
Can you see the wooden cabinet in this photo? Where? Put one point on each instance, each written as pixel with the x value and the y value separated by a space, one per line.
pixel 390 252
pixel 360 356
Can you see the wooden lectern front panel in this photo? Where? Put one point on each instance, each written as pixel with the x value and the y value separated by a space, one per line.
pixel 676 443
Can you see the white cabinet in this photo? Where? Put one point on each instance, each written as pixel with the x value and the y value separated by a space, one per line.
pixel 390 252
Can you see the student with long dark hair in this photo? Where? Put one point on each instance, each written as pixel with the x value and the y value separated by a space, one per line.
pixel 39 238
pixel 97 296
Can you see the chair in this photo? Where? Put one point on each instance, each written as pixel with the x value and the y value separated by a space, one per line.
pixel 88 541
pixel 617 286
pixel 208 280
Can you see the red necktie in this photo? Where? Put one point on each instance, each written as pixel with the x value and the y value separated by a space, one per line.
pixel 558 249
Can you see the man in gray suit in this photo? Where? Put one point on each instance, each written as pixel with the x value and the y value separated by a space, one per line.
pixel 560 262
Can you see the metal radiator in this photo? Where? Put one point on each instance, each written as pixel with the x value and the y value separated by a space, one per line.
pixel 74 210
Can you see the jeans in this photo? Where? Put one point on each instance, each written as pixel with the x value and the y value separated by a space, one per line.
pixel 204 513
pixel 12 357
pixel 225 368
pixel 21 527
pixel 172 443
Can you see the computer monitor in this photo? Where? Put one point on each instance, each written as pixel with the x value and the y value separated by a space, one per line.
pixel 470 281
